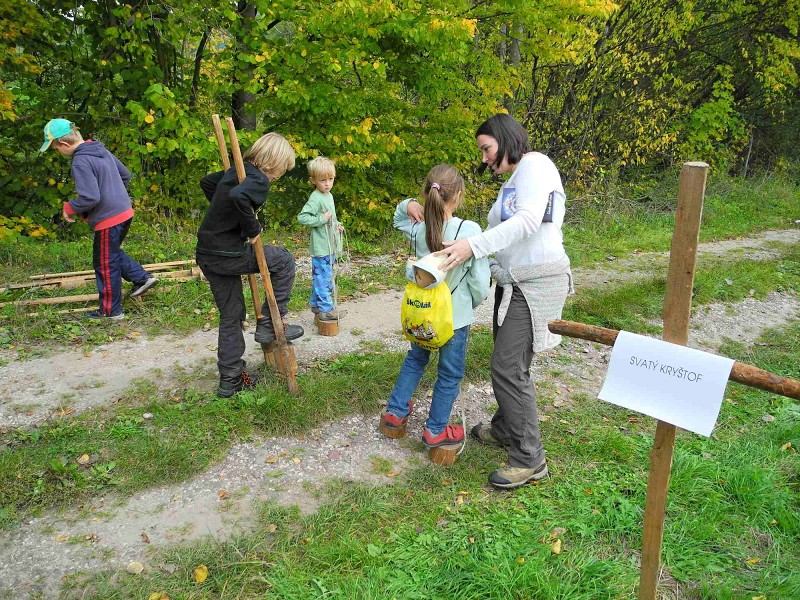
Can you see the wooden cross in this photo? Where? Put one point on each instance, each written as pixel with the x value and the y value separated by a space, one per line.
pixel 677 311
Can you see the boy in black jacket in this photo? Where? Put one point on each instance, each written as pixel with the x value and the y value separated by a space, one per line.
pixel 225 253
pixel 101 184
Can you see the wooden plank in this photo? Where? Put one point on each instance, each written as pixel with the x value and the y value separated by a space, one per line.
pixel 677 312
pixel 740 373
pixel 163 266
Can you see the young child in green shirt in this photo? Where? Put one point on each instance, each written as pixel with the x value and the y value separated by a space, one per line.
pixel 319 214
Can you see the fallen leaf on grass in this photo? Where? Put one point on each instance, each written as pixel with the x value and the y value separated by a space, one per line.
pixel 753 561
pixel 83 459
pixel 767 418
pixel 223 495
pixel 200 573
pixel 158 596
pixel 786 446
pixel 145 538
pixel 544 418
pixel 271 459
pixel 134 568
pixel 62 538
pixel 393 473
pixel 555 547
pixel 271 528
pixel 521 560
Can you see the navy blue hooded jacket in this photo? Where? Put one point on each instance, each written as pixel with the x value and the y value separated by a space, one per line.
pixel 101 182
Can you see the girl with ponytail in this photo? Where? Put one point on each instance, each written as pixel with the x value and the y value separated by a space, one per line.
pixel 428 226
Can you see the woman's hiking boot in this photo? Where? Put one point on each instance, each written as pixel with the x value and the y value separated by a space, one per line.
pixel 228 386
pixel 265 334
pixel 393 426
pixel 449 436
pixel 512 477
pixel 483 433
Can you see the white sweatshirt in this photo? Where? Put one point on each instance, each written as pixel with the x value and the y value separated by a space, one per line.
pixel 516 233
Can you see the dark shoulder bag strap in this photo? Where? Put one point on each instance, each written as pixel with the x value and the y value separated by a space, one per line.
pixel 466 270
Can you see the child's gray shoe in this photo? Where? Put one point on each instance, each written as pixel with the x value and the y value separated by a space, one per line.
pixel 141 288
pixel 331 315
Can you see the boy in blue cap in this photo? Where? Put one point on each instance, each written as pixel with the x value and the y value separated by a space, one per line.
pixel 101 184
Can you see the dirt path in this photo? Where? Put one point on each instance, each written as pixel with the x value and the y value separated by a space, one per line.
pixel 108 533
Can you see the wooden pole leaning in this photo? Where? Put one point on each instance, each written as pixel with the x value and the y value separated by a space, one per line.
pixel 269 358
pixel 281 350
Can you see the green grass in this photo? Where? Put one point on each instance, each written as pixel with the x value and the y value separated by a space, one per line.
pixel 640 217
pixel 634 306
pixel 731 530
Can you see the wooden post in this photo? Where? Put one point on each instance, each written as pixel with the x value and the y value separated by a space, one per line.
pixel 282 353
pixel 677 311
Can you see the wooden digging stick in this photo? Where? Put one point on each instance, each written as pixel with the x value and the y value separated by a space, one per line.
pixel 251 278
pixel 280 348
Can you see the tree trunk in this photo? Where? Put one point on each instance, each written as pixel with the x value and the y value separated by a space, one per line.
pixel 243 117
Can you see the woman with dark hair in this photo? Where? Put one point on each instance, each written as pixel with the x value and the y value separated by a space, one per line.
pixel 533 278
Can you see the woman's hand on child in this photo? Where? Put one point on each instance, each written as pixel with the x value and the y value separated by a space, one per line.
pixel 67 216
pixel 327 215
pixel 457 251
pixel 252 241
pixel 415 212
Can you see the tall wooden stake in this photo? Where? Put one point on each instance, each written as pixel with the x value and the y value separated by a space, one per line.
pixel 280 353
pixel 677 311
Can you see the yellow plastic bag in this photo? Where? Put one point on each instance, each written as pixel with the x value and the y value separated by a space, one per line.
pixel 427 315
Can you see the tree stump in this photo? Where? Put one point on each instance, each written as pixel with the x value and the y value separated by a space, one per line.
pixel 275 358
pixel 392 432
pixel 444 455
pixel 326 328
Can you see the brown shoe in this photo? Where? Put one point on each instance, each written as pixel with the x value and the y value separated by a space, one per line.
pixel 483 433
pixel 512 477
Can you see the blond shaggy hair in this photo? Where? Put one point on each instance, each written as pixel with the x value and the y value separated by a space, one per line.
pixel 272 154
pixel 320 168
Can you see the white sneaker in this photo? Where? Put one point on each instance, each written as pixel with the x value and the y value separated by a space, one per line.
pixel 140 289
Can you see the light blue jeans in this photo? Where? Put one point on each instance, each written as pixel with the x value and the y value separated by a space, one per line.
pixel 452 361
pixel 322 283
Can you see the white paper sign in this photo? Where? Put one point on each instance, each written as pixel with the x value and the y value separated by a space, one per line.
pixel 672 383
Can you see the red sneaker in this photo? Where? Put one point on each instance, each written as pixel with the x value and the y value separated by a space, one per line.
pixel 393 426
pixel 452 434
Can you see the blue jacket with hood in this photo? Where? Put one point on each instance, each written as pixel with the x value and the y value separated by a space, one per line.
pixel 101 182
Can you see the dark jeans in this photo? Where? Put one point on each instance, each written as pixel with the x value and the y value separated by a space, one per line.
pixel 224 275
pixel 516 421
pixel 112 265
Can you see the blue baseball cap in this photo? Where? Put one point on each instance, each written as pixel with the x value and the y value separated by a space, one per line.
pixel 55 129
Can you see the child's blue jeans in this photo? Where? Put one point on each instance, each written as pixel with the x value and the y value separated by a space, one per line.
pixel 452 361
pixel 322 283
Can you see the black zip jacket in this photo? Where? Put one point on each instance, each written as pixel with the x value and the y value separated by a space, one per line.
pixel 231 218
